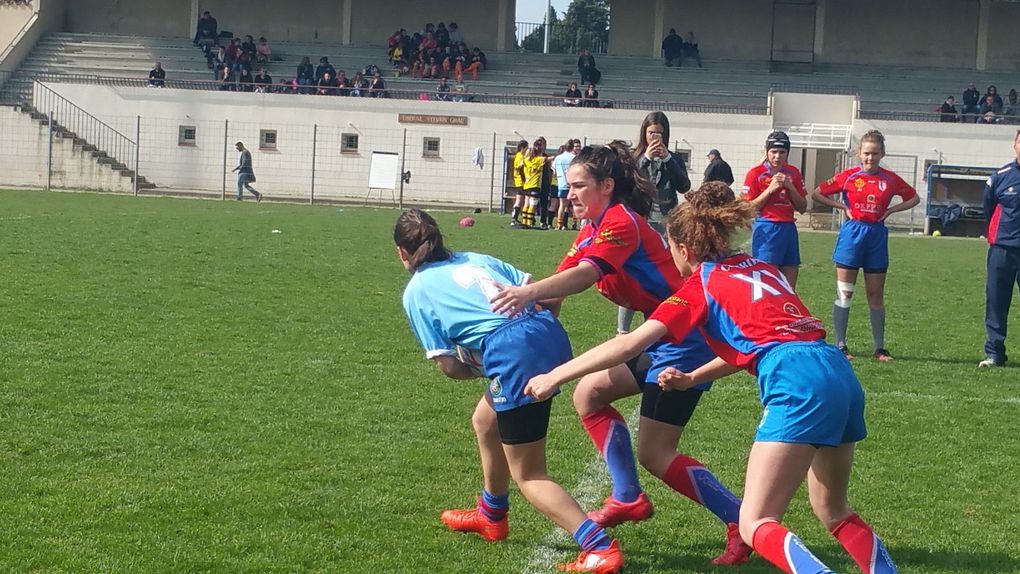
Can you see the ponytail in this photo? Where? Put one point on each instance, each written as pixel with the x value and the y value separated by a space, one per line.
pixel 417 233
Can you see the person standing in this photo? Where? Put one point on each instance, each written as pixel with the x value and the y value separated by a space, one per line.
pixel 518 175
pixel 245 174
pixel 560 165
pixel 863 243
pixel 672 48
pixel 718 169
pixel 1002 208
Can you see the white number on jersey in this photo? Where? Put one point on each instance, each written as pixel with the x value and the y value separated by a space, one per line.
pixel 468 275
pixel 760 281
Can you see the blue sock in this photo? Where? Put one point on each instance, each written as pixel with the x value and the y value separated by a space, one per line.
pixel 609 432
pixel 591 536
pixel 494 507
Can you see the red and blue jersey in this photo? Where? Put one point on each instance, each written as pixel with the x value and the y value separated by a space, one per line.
pixel 867 194
pixel 743 306
pixel 635 268
pixel 1002 206
pixel 778 207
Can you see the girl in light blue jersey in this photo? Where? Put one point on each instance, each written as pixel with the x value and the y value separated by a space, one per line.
pixel 447 303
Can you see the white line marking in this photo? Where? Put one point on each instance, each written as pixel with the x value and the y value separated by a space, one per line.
pixel 927 397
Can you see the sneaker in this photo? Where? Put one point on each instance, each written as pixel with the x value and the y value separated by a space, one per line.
pixel 544 227
pixel 474 521
pixel 846 352
pixel 614 512
pixel 258 198
pixel 990 362
pixel 883 355
pixel 737 552
pixel 514 223
pixel 608 561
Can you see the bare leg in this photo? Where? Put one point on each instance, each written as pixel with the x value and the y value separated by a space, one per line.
pixel 790 272
pixel 495 470
pixel 528 465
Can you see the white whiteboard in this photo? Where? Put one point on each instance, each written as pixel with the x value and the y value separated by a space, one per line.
pixel 383 174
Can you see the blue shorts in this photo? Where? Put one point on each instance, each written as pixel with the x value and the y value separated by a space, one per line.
pixel 811 396
pixel 562 193
pixel 690 354
pixel 529 345
pixel 862 246
pixel 775 242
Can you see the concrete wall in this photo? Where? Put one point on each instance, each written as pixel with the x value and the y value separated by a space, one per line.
pixel 373 21
pixel 726 29
pixel 170 18
pixel 631 29
pixel 938 33
pixel 306 21
pixel 51 19
pixel 1003 47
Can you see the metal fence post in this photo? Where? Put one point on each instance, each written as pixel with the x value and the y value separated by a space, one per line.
pixel 403 164
pixel 138 145
pixel 49 152
pixel 315 139
pixel 492 177
pixel 226 134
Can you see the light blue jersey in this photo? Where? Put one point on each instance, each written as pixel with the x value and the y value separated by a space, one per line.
pixel 447 302
pixel 560 163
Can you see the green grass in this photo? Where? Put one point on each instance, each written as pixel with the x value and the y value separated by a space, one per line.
pixel 182 390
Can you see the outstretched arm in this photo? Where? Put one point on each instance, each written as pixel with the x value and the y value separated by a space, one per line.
pixel 513 299
pixel 674 379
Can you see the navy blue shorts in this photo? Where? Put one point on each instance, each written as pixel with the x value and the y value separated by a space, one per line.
pixel 529 345
pixel 775 242
pixel 862 246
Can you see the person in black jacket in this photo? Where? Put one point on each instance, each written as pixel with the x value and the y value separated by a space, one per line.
pixel 672 48
pixel 971 98
pixel 585 66
pixel 948 112
pixel 1002 209
pixel 718 169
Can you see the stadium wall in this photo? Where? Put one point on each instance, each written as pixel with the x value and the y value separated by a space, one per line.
pixel 12 20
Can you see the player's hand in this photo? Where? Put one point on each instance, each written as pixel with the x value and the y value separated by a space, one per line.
pixel 671 379
pixel 512 299
pixel 541 387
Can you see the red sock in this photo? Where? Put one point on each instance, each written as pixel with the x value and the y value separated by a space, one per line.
pixel 690 478
pixel 769 540
pixel 599 423
pixel 860 542
pixel 679 479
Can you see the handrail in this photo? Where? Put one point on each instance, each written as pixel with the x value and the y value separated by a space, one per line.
pixel 17 37
pixel 83 125
pixel 582 38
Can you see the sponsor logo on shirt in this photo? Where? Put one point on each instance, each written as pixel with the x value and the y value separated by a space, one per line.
pixel 881 186
pixel 496 390
pixel 607 236
pixel 859 183
pixel 674 300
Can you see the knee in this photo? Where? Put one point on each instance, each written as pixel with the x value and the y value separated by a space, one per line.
pixel 483 422
pixel 844 294
pixel 584 399
pixel 830 511
pixel 749 526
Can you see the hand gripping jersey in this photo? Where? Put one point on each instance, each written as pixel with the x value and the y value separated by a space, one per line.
pixel 743 306
pixel 447 302
pixel 867 195
pixel 778 207
pixel 635 268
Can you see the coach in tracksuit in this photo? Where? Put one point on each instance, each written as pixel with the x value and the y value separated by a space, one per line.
pixel 1002 208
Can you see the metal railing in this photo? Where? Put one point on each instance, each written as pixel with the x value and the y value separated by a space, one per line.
pixel 17 37
pixel 71 121
pixel 563 39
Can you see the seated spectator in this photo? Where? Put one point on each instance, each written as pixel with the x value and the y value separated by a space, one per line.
pixel 376 87
pixel 971 101
pixel 991 110
pixel 343 83
pixel 585 65
pixel 948 112
pixel 446 59
pixel 244 61
pixel 591 97
pixel 157 76
pixel 228 82
pixel 1011 109
pixel 477 55
pixel 249 47
pixel 442 36
pixel 206 33
pixel 327 84
pixel 263 53
pixel 431 70
pixel 245 81
pixel 456 34
pixel 428 43
pixel 263 81
pixel 994 92
pixel 219 62
pixel 691 49
pixel 573 96
pixel 443 91
pixel 305 75
pixel 359 85
pixel 673 49
pixel 234 54
pixel 401 68
pixel 393 43
pixel 460 93
pixel 323 67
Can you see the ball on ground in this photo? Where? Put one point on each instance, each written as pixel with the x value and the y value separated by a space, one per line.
pixel 467 222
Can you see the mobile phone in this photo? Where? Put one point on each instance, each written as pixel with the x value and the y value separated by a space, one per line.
pixel 656 137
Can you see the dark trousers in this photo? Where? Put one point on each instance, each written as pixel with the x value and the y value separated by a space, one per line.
pixel 1003 274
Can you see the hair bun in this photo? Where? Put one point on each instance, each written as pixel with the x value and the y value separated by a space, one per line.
pixel 709 195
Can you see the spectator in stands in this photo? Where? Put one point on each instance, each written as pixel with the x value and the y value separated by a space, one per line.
pixel 401 68
pixel 431 70
pixel 245 81
pixel 1012 109
pixel 460 93
pixel 456 34
pixel 324 67
pixel 443 91
pixel 718 169
pixel 305 75
pixel 263 52
pixel 477 55
pixel 573 96
pixel 442 36
pixel 327 85
pixel 263 81
pixel 393 44
pixel 206 33
pixel 359 85
pixel 343 83
pixel 249 47
pixel 377 88
pixel 228 82
pixel 971 99
pixel 157 76
pixel 591 97
pixel 447 60
pixel 428 43
pixel 585 65
pixel 691 49
pixel 991 109
pixel 673 48
pixel 233 55
pixel 948 112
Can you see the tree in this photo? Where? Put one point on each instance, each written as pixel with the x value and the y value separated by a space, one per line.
pixel 585 24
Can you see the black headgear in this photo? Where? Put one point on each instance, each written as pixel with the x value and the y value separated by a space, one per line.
pixel 778 139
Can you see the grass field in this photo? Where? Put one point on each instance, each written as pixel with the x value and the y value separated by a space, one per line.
pixel 185 391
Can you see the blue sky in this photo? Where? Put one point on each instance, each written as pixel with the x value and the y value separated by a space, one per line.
pixel 534 10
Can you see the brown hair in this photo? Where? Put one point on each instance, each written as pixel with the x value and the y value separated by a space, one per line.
pixel 615 161
pixel 417 233
pixel 652 118
pixel 706 222
pixel 873 136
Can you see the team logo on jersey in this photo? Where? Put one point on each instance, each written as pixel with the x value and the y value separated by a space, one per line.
pixel 882 185
pixel 792 309
pixel 607 236
pixel 674 300
pixel 859 183
pixel 496 389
